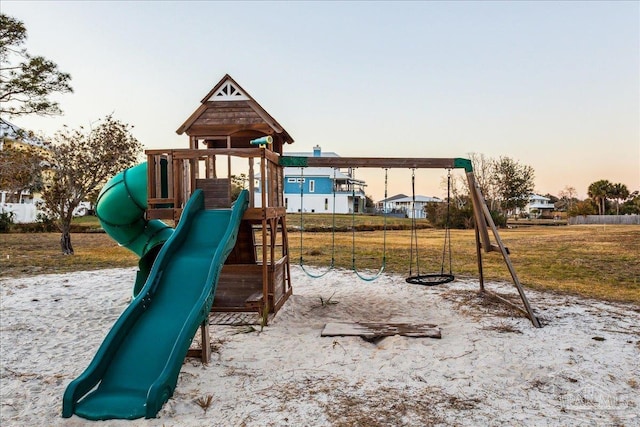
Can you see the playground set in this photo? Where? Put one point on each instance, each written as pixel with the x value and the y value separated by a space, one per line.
pixel 222 255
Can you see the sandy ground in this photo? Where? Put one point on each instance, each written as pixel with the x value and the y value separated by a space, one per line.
pixel 491 367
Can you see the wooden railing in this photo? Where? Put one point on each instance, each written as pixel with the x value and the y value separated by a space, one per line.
pixel 173 176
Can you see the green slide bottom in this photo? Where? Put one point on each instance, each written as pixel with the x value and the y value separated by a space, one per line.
pixel 136 368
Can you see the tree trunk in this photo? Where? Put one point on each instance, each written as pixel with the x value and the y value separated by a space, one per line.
pixel 65 242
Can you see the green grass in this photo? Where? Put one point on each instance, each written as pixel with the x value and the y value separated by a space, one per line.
pixel 593 261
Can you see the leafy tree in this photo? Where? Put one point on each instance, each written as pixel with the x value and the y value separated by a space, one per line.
pixel 632 204
pixel 513 182
pixel 20 170
pixel 238 183
pixel 82 161
pixel 26 81
pixel 599 192
pixel 619 192
pixel 585 207
pixel 369 203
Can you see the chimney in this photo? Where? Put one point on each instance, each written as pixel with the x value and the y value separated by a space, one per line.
pixel 317 151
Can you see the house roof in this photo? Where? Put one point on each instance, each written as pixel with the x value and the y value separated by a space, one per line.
pixel 401 198
pixel 538 197
pixel 10 131
pixel 228 109
pixel 393 198
pixel 310 154
pixel 316 171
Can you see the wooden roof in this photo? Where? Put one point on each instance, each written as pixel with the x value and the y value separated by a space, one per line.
pixel 228 109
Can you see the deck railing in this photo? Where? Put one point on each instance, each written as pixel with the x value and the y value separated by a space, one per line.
pixel 173 176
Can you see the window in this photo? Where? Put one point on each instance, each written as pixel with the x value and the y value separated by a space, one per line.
pixel 312 186
pixel 326 204
pixel 291 180
pixel 286 202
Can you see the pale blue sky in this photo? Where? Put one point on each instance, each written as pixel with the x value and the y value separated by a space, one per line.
pixel 555 85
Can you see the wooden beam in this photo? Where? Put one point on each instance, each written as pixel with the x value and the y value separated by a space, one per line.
pixel 378 162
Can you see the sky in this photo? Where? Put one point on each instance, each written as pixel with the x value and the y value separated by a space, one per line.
pixel 552 85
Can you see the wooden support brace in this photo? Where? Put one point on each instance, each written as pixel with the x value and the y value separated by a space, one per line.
pixel 204 352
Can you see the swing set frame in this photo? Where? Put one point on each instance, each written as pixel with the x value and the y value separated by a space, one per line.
pixel 483 220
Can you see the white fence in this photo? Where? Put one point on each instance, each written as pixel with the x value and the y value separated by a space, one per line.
pixel 605 219
pixel 22 212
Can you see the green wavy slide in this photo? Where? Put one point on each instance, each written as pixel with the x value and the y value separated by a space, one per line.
pixel 135 370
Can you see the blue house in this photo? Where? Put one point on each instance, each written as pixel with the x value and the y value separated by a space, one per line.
pixel 316 190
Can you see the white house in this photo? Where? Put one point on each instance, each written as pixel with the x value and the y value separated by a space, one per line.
pixel 403 204
pixel 315 189
pixel 538 206
pixel 22 206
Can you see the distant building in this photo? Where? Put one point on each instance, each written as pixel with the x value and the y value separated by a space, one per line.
pixel 537 207
pixel 404 205
pixel 312 189
pixel 22 205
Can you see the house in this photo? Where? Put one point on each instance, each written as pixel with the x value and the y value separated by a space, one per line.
pixel 317 189
pixel 23 203
pixel 538 206
pixel 403 205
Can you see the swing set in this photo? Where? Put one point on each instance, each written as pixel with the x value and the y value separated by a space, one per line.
pixel 483 220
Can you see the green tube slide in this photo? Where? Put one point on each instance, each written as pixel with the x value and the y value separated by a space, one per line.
pixel 121 210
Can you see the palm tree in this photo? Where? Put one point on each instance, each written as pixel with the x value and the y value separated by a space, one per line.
pixel 619 192
pixel 599 191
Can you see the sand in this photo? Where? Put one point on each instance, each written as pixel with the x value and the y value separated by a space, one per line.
pixel 491 367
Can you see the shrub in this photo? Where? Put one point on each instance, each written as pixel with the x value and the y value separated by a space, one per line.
pixel 6 220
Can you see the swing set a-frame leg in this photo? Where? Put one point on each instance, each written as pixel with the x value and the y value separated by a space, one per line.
pixel 483 218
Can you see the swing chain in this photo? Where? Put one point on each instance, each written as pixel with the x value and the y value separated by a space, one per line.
pixel 333 228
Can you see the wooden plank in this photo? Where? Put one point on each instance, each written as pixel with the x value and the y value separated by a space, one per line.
pixel 216 192
pixel 244 251
pixel 369 330
pixel 160 213
pixel 381 162
pixel 209 152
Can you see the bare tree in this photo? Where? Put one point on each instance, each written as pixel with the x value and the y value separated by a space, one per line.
pixel 483 170
pixel 81 162
pixel 568 196
pixel 20 170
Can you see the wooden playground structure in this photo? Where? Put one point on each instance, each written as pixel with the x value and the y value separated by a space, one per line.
pixel 230 124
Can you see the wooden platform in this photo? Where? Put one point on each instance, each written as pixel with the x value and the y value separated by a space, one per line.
pixel 372 331
pixel 236 318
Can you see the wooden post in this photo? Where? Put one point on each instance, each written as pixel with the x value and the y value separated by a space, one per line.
pixel 263 194
pixel 479 257
pixel 204 352
pixel 229 165
pixel 252 194
pixel 478 201
pixel 512 271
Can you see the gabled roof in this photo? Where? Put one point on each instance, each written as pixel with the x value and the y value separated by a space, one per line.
pixel 227 109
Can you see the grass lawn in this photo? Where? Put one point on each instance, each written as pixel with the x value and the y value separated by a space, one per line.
pixel 595 261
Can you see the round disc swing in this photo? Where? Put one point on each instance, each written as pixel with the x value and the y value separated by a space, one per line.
pixel 333 228
pixel 384 236
pixel 430 279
